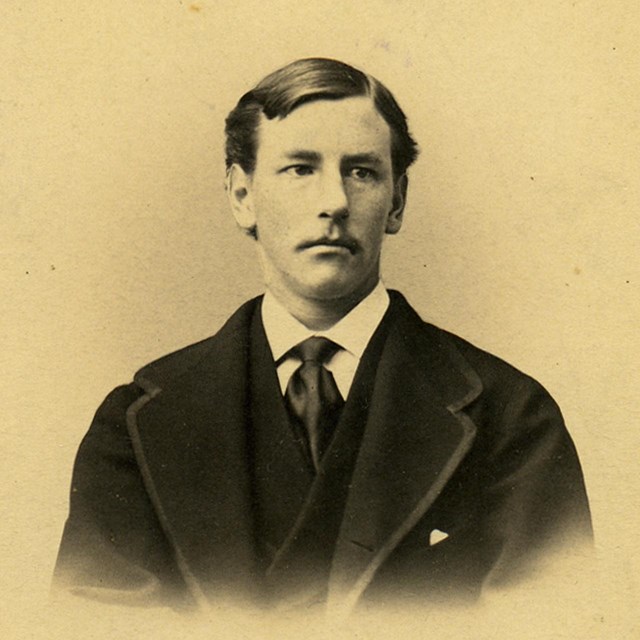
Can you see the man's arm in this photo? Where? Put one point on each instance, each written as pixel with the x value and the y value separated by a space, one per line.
pixel 534 494
pixel 113 548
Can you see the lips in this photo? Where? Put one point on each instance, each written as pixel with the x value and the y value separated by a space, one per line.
pixel 344 243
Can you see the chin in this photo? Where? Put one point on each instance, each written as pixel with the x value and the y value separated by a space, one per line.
pixel 334 289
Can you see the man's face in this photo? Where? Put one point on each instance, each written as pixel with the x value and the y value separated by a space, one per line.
pixel 322 197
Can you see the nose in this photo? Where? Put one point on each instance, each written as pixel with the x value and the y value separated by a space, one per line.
pixel 333 199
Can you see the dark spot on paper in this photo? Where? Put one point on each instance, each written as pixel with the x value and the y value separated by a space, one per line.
pixel 195 7
pixel 577 270
pixel 53 267
pixel 361 545
pixel 531 177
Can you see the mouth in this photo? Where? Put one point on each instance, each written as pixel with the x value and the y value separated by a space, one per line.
pixel 349 244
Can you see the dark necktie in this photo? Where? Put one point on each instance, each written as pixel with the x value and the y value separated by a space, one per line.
pixel 312 395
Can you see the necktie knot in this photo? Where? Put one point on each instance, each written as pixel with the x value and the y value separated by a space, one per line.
pixel 316 349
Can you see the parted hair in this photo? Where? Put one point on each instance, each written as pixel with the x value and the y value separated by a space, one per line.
pixel 306 80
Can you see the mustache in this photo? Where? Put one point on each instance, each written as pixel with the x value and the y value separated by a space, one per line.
pixel 346 242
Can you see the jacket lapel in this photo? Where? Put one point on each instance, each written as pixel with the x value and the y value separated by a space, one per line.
pixel 416 437
pixel 189 435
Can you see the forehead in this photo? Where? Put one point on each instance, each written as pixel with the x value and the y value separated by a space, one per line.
pixel 342 127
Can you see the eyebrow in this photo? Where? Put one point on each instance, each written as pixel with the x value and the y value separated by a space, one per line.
pixel 364 158
pixel 313 156
pixel 303 155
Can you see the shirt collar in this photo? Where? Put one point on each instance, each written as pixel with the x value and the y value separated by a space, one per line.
pixel 352 332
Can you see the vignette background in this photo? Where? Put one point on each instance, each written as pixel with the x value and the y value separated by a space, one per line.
pixel 521 233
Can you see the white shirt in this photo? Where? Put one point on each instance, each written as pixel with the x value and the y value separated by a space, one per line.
pixel 352 333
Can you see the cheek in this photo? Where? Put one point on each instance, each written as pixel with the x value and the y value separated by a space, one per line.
pixel 370 212
pixel 272 215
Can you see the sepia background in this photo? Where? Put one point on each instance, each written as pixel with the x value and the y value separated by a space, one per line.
pixel 522 230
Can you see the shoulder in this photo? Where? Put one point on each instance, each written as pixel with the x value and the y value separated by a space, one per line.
pixel 518 423
pixel 521 441
pixel 503 390
pixel 232 337
pixel 168 368
pixel 498 376
pixel 517 416
pixel 490 368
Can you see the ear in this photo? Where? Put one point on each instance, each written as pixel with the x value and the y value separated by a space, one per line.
pixel 394 219
pixel 238 186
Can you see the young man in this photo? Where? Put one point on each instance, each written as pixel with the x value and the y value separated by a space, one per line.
pixel 327 445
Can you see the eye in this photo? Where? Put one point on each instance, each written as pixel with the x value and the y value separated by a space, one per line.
pixel 298 170
pixel 362 173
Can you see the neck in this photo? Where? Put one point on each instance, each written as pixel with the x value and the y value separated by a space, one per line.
pixel 319 314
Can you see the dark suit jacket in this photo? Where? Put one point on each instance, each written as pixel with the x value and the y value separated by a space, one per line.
pixel 457 442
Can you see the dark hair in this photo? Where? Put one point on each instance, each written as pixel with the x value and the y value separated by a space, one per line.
pixel 279 93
